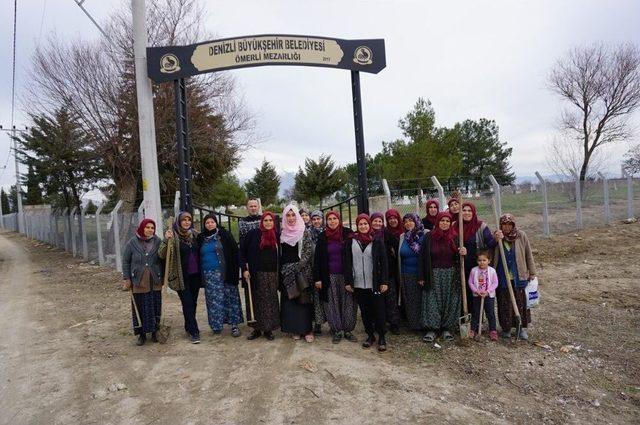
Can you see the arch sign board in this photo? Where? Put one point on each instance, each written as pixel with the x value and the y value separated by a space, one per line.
pixel 169 63
pixel 176 63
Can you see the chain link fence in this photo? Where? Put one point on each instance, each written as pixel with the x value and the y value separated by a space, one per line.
pixel 600 202
pixel 97 238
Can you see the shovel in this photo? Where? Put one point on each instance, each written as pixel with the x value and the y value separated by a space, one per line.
pixel 164 330
pixel 135 307
pixel 253 317
pixel 464 322
pixel 505 268
pixel 481 316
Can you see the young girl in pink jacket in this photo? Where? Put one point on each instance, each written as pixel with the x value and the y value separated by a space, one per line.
pixel 483 281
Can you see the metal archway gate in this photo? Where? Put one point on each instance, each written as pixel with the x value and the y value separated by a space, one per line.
pixel 176 63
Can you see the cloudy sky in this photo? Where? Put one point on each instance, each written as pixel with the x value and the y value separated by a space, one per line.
pixel 472 59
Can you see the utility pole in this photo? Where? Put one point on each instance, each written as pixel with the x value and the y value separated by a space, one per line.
pixel 146 124
pixel 13 128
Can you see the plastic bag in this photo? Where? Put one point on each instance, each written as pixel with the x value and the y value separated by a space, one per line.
pixel 533 298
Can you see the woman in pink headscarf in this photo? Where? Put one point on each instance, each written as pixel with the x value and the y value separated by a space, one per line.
pixel 296 290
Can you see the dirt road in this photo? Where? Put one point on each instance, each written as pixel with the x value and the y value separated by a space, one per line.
pixel 67 355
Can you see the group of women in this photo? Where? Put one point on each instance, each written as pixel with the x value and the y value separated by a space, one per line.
pixel 311 269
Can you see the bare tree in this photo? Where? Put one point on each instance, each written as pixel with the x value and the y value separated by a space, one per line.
pixel 565 154
pixel 96 81
pixel 602 88
pixel 631 162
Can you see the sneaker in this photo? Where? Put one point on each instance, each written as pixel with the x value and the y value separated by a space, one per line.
pixel 235 332
pixel 142 338
pixel 350 337
pixel 472 334
pixel 337 336
pixel 523 335
pixel 317 329
pixel 269 335
pixel 447 336
pixel 154 337
pixel 369 341
pixel 429 337
pixel 505 334
pixel 309 337
pixel 217 331
pixel 254 334
pixel 493 335
pixel 394 329
pixel 195 339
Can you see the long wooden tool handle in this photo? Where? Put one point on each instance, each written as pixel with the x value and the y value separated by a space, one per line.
pixel 165 280
pixel 463 278
pixel 481 316
pixel 253 317
pixel 135 307
pixel 505 267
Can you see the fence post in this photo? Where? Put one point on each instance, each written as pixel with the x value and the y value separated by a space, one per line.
pixel 72 224
pixel 1 217
pixel 418 204
pixel 496 192
pixel 67 242
pixel 176 204
pixel 545 206
pixel 116 235
pixel 629 196
pixel 441 197
pixel 607 208
pixel 141 211
pixel 578 200
pixel 83 228
pixel 387 192
pixel 99 234
pixel 52 217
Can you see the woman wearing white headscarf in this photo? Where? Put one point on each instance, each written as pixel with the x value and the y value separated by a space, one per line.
pixel 296 288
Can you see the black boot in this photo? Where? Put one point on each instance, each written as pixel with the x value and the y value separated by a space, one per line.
pixel 154 337
pixel 369 341
pixel 395 329
pixel 254 334
pixel 142 338
pixel 269 335
pixel 382 344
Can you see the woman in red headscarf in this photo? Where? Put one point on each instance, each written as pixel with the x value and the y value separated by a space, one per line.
pixel 142 271
pixel 259 260
pixel 439 274
pixel 391 244
pixel 476 236
pixel 366 270
pixel 328 275
pixel 433 208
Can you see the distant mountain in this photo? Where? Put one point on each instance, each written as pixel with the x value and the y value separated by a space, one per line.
pixel 287 181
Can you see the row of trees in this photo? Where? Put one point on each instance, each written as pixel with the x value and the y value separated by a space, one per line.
pixel 461 156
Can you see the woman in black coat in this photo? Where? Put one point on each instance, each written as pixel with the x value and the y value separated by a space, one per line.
pixel 329 279
pixel 259 260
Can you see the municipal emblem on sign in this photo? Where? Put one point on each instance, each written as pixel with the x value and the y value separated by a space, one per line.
pixel 363 56
pixel 169 63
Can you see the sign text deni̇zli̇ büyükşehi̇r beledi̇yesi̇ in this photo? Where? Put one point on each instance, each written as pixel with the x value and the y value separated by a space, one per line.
pixel 249 45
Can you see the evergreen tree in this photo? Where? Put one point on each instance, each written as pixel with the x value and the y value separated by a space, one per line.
pixel 227 192
pixel 482 153
pixel 264 184
pixel 4 198
pixel 91 207
pixel 319 179
pixel 61 158
pixel 425 152
pixel 34 193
